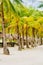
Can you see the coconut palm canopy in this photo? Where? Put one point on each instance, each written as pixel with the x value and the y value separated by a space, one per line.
pixel 14 10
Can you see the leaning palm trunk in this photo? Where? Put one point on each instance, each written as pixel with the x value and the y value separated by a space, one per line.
pixel 5 49
pixel 18 35
pixel 33 36
pixel 37 38
pixel 22 37
pixel 27 43
pixel 41 40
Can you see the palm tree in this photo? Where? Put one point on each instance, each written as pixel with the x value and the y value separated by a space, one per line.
pixel 9 5
pixel 6 51
pixel 18 35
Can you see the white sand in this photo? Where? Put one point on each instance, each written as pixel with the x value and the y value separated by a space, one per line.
pixel 25 57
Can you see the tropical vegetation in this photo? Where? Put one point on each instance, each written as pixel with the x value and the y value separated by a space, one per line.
pixel 25 23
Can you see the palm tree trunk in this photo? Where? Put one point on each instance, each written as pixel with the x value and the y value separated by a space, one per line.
pixel 22 37
pixel 18 36
pixel 5 49
pixel 33 36
pixel 41 40
pixel 37 37
pixel 27 43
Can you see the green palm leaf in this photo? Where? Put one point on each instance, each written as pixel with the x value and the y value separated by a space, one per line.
pixel 41 5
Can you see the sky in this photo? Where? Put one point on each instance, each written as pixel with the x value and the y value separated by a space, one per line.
pixel 34 3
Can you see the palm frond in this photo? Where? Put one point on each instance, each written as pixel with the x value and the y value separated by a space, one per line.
pixel 41 5
pixel 12 7
pixel 19 2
